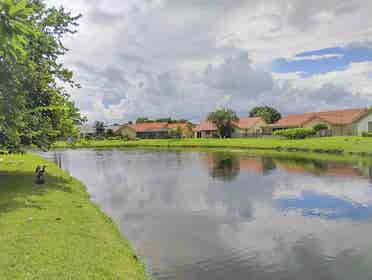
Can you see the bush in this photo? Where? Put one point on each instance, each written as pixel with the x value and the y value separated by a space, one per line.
pixel 366 134
pixel 295 133
pixel 320 126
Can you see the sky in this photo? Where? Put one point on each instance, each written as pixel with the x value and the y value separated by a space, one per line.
pixel 184 59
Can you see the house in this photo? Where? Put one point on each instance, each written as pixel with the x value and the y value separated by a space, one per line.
pixel 339 122
pixel 245 127
pixel 113 127
pixel 87 130
pixel 206 130
pixel 153 130
pixel 248 126
pixel 186 129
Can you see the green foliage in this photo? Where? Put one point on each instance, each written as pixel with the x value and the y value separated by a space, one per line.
pixel 268 114
pixel 223 119
pixel 320 126
pixel 295 133
pixel 55 231
pixel 165 120
pixel 35 108
pixel 143 120
pixel 15 29
pixel 330 145
pixel 100 129
pixel 110 133
pixel 366 134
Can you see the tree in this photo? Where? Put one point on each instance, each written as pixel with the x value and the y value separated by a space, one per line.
pixel 110 132
pixel 14 27
pixel 268 114
pixel 100 128
pixel 223 119
pixel 35 108
pixel 143 120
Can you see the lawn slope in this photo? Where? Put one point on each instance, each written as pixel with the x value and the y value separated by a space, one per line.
pixel 54 231
pixel 333 145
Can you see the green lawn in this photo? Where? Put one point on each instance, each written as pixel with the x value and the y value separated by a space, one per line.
pixel 335 145
pixel 54 231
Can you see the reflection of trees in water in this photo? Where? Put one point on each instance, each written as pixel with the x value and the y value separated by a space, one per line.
pixel 268 164
pixel 225 166
pixel 302 165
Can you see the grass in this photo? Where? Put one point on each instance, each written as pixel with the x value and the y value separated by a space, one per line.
pixel 332 145
pixel 53 231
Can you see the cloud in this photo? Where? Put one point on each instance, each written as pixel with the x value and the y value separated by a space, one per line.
pixel 185 58
pixel 236 75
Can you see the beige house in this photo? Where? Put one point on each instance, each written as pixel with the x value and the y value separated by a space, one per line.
pixel 339 122
pixel 154 130
pixel 127 131
pixel 248 126
pixel 245 127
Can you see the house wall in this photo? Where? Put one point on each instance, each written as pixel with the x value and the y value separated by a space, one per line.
pixel 362 124
pixel 187 132
pixel 128 132
pixel 342 130
pixel 157 134
pixel 254 130
pixel 208 134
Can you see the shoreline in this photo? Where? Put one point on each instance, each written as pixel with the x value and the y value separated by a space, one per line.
pixel 54 231
pixel 341 145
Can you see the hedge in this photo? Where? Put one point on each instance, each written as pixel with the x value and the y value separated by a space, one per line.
pixel 295 133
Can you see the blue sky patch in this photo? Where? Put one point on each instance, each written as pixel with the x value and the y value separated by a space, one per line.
pixel 322 61
pixel 325 206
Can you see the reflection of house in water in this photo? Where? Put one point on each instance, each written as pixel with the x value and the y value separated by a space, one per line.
pixel 258 165
pixel 230 164
pixel 319 168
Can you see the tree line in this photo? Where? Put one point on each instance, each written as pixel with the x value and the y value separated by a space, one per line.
pixel 35 108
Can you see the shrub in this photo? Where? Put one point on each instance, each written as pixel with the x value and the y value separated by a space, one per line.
pixel 295 133
pixel 366 134
pixel 320 126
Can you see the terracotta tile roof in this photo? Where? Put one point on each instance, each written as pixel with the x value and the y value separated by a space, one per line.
pixel 143 127
pixel 294 120
pixel 346 116
pixel 247 122
pixel 156 126
pixel 342 116
pixel 176 125
pixel 206 126
pixel 243 123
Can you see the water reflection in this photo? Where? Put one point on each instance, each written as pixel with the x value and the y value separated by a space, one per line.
pixel 213 216
pixel 224 166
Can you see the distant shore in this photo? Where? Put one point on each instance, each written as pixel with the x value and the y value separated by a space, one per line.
pixel 54 231
pixel 340 145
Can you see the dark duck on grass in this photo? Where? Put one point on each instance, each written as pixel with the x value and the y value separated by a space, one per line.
pixel 40 175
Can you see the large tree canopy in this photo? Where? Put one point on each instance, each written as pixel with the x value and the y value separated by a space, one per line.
pixel 268 114
pixel 223 119
pixel 35 108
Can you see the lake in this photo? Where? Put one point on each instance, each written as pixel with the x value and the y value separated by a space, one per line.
pixel 218 215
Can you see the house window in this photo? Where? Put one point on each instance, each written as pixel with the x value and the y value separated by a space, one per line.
pixel 369 126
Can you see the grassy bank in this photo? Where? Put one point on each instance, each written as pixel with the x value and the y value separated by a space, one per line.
pixel 54 231
pixel 332 145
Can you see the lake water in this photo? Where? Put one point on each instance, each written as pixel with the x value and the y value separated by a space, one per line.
pixel 208 216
